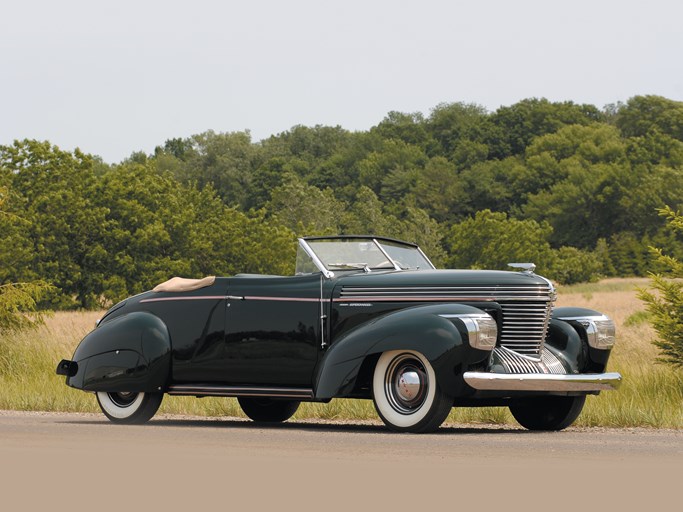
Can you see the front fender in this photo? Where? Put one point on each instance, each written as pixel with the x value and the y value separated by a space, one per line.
pixel 129 353
pixel 419 328
pixel 588 358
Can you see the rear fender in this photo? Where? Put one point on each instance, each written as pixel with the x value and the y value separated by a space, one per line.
pixel 442 341
pixel 129 353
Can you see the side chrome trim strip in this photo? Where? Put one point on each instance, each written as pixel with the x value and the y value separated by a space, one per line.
pixel 282 299
pixel 235 297
pixel 198 297
pixel 233 391
pixel 540 382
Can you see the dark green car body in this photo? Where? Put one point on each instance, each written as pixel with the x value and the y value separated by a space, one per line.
pixel 319 335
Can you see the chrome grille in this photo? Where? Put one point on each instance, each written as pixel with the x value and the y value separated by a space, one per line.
pixel 525 326
pixel 516 363
pixel 552 363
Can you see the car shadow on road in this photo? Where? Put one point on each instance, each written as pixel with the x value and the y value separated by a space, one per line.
pixel 305 426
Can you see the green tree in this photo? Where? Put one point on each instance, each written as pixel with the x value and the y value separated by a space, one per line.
pixel 148 228
pixel 664 301
pixel 341 170
pixel 305 209
pixel 158 227
pixel 269 176
pixel 520 123
pixel 492 240
pixel 18 300
pixel 439 189
pixel 644 114
pixel 392 169
pixel 409 128
pixel 497 185
pixel 311 144
pixel 223 160
pixel 65 229
pixel 462 132
pixel 586 188
pixel 571 265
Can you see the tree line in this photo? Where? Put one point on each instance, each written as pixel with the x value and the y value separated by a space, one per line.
pixel 571 187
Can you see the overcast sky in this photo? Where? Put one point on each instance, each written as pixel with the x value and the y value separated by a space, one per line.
pixel 123 76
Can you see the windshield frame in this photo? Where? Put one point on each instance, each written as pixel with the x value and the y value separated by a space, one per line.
pixel 377 240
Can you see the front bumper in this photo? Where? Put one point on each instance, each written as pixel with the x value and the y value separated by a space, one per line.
pixel 542 382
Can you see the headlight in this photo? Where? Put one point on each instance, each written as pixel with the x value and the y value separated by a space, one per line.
pixel 600 330
pixel 482 330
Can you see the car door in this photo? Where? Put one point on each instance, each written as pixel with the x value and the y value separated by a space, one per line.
pixel 272 334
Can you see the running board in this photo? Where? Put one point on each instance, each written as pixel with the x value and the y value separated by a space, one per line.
pixel 218 390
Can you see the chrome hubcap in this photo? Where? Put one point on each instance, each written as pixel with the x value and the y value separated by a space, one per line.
pixel 406 384
pixel 123 399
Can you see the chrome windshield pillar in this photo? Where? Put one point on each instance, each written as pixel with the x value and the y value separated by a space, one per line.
pixel 314 258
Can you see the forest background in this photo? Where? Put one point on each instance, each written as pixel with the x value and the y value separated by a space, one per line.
pixel 571 187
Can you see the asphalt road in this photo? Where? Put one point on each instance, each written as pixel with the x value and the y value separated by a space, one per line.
pixel 51 461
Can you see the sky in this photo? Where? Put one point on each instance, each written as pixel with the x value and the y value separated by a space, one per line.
pixel 117 77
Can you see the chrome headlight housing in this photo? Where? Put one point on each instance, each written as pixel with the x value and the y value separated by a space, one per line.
pixel 600 330
pixel 482 329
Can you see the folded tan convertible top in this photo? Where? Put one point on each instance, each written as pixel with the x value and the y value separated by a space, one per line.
pixel 182 284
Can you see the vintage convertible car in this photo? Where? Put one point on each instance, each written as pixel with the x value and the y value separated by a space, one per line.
pixel 364 317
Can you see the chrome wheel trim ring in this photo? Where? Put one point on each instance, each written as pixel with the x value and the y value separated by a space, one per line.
pixel 406 384
pixel 386 410
pixel 114 405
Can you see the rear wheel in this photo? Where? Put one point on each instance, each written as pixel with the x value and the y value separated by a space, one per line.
pixel 406 394
pixel 268 409
pixel 129 407
pixel 548 412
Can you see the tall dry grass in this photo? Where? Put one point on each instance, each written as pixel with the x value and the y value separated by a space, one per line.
pixel 651 395
pixel 652 392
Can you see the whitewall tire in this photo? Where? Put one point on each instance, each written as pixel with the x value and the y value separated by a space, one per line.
pixel 406 394
pixel 130 408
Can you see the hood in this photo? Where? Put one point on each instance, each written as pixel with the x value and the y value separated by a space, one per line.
pixel 445 278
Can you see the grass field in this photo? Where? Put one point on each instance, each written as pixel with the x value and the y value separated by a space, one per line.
pixel 651 395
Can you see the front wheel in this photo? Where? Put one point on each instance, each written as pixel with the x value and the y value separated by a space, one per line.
pixel 268 409
pixel 128 407
pixel 548 412
pixel 406 394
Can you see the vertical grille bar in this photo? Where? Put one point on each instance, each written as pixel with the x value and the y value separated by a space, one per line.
pixel 525 326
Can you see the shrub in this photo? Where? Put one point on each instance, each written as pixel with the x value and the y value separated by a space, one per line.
pixel 573 265
pixel 664 301
pixel 492 240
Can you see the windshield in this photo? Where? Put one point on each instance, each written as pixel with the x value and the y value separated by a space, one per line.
pixel 360 254
pixel 405 256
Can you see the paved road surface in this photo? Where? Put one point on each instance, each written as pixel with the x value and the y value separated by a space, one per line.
pixel 78 462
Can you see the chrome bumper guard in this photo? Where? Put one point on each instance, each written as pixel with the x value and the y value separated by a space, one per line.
pixel 542 382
